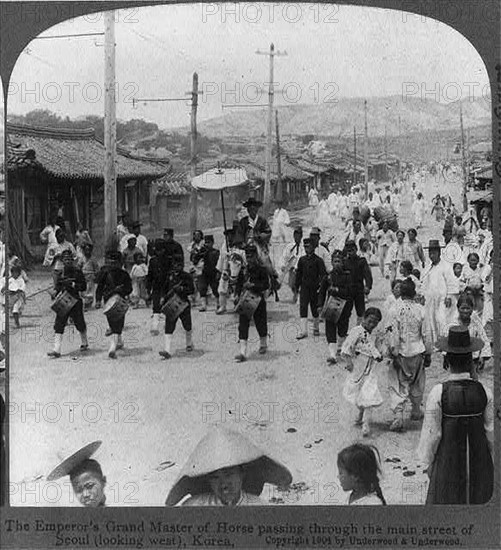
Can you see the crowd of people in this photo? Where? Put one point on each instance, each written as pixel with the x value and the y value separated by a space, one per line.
pixel 439 302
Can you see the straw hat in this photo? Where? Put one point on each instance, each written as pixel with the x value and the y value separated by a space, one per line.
pixel 223 448
pixel 68 465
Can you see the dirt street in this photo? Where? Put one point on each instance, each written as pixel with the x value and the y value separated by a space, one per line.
pixel 151 413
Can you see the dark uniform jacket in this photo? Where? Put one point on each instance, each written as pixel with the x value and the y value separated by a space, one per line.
pixel 158 268
pixel 180 283
pixel 173 248
pixel 112 280
pixel 335 284
pixel 71 279
pixel 257 275
pixel 261 232
pixel 310 272
pixel 210 258
pixel 360 274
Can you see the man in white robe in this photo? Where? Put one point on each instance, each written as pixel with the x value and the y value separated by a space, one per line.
pixel 436 281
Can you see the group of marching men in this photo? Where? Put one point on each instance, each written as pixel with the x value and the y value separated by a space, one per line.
pixel 136 270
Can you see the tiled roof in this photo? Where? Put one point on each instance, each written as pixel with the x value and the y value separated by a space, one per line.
pixel 70 154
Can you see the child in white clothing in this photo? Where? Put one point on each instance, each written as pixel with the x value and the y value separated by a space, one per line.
pixel 16 293
pixel 138 275
pixel 360 353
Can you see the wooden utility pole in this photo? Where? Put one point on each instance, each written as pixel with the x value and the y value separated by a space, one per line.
pixel 279 164
pixel 463 154
pixel 193 153
pixel 269 137
pixel 193 140
pixel 110 131
pixel 354 155
pixel 366 153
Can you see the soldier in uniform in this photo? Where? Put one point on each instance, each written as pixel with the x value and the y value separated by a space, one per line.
pixel 310 272
pixel 111 280
pixel 158 269
pixel 172 247
pixel 254 278
pixel 72 280
pixel 178 282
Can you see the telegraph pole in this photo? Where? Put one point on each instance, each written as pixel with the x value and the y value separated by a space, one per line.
pixel 279 166
pixel 366 153
pixel 193 140
pixel 193 152
pixel 267 183
pixel 463 154
pixel 110 131
pixel 354 155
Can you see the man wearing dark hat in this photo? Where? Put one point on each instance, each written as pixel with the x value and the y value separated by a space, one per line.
pixel 178 282
pixel 158 270
pixel 254 278
pixel 71 281
pixel 360 281
pixel 253 226
pixel 172 247
pixel 310 272
pixel 456 441
pixel 290 257
pixel 436 280
pixel 113 280
pixel 320 250
pixel 210 275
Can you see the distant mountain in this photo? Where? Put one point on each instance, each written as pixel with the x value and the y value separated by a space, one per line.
pixel 393 115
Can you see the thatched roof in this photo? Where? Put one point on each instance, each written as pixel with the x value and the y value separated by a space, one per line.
pixel 70 154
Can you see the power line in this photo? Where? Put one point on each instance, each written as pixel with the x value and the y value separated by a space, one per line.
pixel 69 35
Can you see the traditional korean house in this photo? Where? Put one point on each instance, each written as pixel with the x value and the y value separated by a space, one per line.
pixel 59 172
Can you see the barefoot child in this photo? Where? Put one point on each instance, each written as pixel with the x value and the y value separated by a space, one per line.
pixel 181 283
pixel 359 466
pixel 112 280
pixel 360 353
pixel 71 280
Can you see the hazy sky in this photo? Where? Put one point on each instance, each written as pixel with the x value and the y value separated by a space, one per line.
pixel 333 51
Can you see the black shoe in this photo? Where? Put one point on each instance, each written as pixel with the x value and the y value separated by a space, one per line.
pixel 84 347
pixel 164 354
pixel 54 354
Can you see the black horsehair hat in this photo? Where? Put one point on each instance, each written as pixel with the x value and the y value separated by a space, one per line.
pixel 459 342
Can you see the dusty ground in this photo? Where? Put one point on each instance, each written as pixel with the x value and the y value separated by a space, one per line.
pixel 151 413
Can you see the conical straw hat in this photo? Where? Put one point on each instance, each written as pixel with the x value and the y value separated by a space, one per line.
pixel 223 448
pixel 69 464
